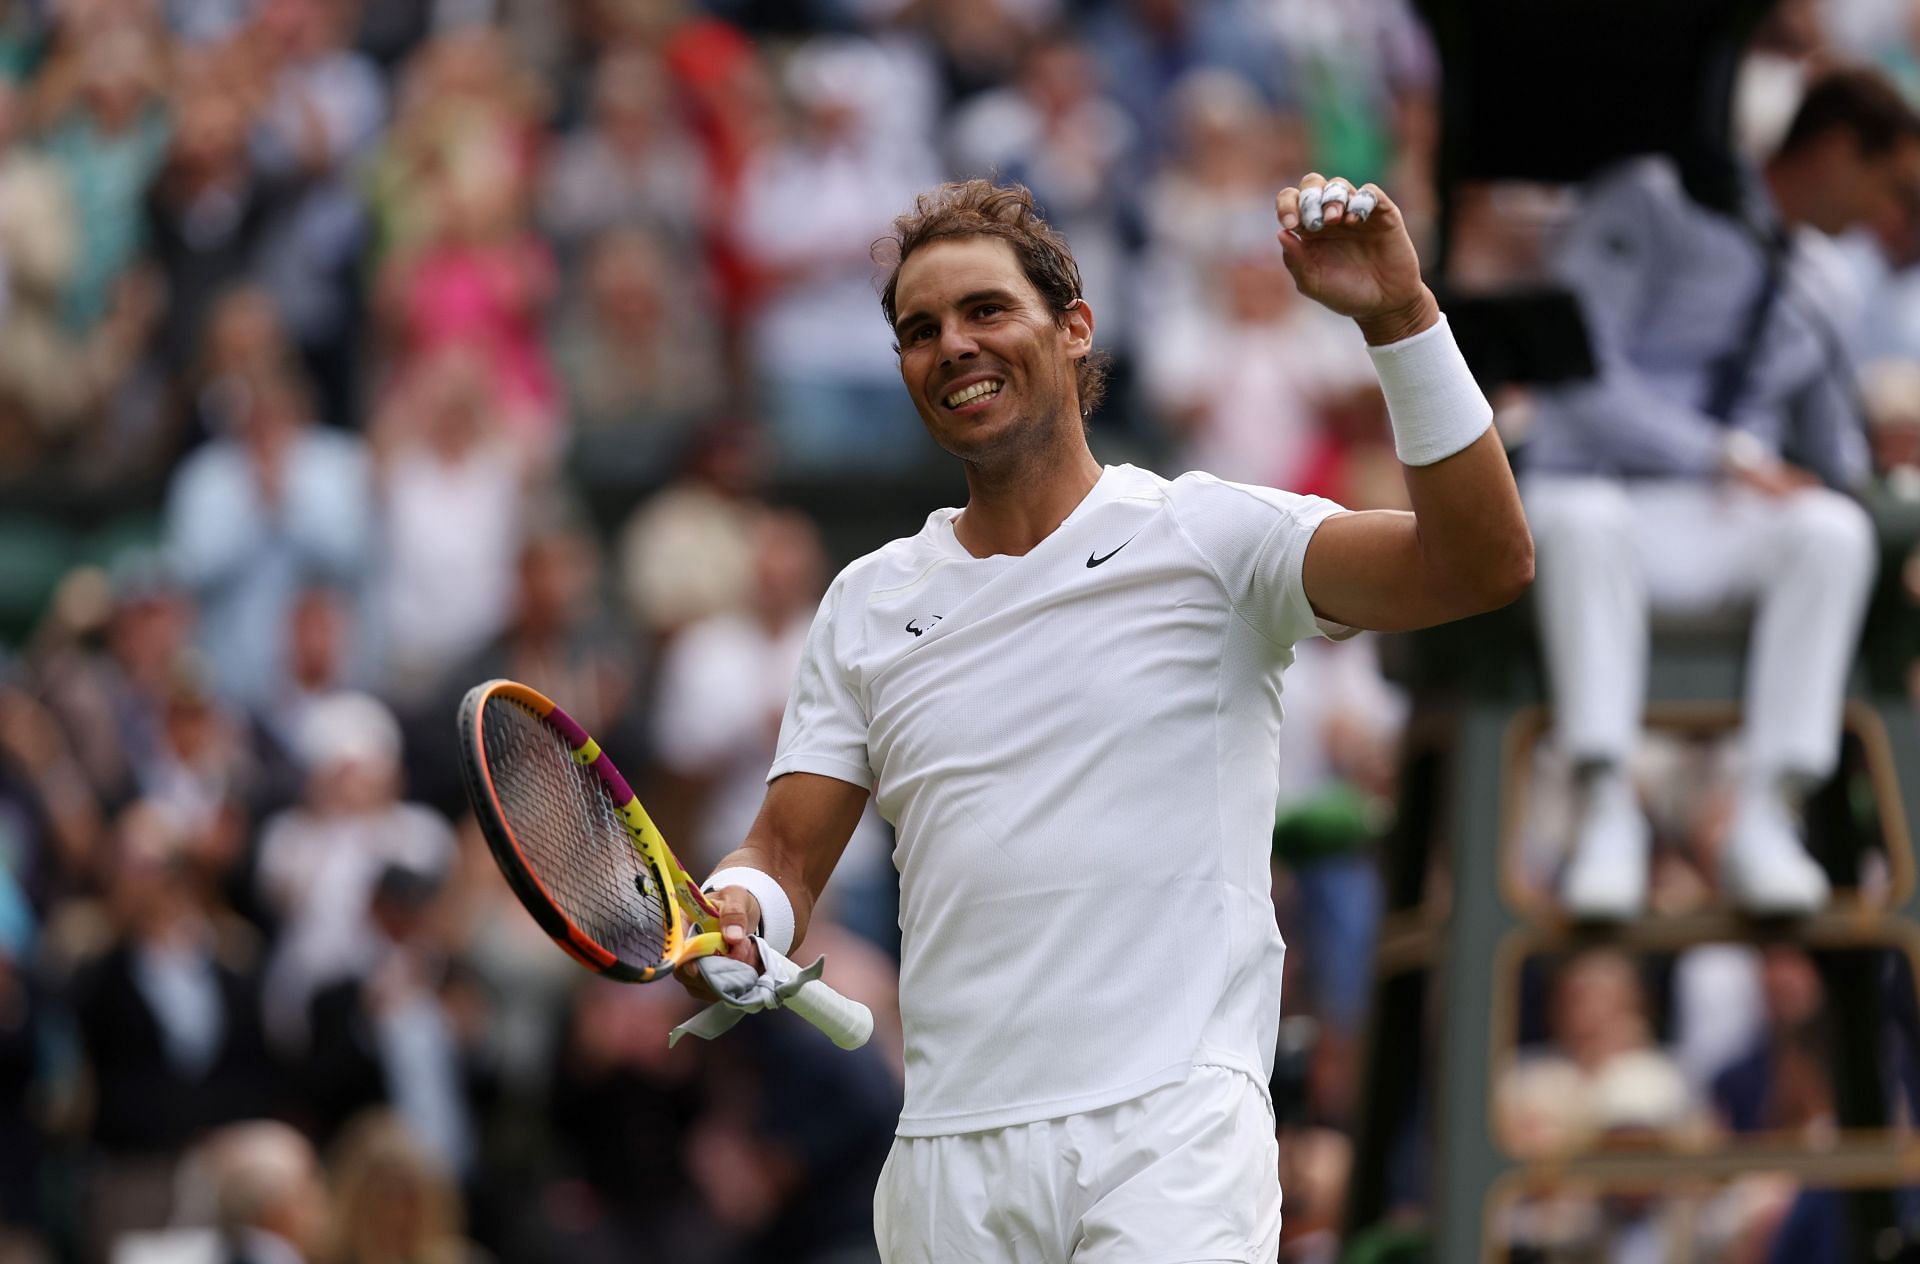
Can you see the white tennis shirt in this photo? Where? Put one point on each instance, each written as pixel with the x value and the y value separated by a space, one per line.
pixel 1078 749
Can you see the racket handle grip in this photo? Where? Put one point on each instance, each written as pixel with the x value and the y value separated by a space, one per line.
pixel 846 1022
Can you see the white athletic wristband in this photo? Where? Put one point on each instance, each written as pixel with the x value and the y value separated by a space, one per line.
pixel 776 910
pixel 1436 406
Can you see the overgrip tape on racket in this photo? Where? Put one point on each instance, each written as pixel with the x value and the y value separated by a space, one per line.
pixel 779 984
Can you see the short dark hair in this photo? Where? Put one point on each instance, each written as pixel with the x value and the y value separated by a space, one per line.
pixel 981 208
pixel 1861 101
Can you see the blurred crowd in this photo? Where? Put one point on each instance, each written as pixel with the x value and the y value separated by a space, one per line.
pixel 352 353
pixel 355 351
pixel 1718 1045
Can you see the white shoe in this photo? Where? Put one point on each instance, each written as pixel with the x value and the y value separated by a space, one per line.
pixel 1606 881
pixel 1765 869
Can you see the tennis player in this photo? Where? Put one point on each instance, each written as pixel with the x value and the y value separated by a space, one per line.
pixel 1065 696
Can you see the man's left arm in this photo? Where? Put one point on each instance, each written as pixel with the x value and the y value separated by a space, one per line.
pixel 1464 548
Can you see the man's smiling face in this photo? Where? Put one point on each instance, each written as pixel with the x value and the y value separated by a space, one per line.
pixel 987 364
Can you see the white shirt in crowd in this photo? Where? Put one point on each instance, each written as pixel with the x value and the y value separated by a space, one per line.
pixel 808 213
pixel 449 553
pixel 318 873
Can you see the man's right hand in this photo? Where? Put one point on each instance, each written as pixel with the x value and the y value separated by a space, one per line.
pixel 1749 463
pixel 739 919
pixel 1772 478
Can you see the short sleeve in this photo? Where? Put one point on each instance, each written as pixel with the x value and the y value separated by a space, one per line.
pixel 1255 539
pixel 824 730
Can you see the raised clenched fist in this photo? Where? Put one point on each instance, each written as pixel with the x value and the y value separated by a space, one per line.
pixel 1348 250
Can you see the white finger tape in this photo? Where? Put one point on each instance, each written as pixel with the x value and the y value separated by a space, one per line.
pixel 1362 205
pixel 1335 193
pixel 1312 218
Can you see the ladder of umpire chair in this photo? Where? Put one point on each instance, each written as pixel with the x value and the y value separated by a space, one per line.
pixel 1449 958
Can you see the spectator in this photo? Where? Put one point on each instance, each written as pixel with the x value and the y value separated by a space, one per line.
pixel 466 270
pixel 1232 151
pixel 258 513
pixel 395 1204
pixel 529 986
pixel 721 690
pixel 630 166
pixel 1781 1083
pixel 203 764
pixel 52 815
pixel 1891 392
pixel 384 1034
pixel 1338 761
pixel 1718 1010
pixel 810 210
pixel 109 142
pixel 321 107
pixel 320 861
pixel 468 119
pixel 270 1204
pixel 106 661
pixel 58 380
pixel 1600 1075
pixel 722 684
pixel 1363 75
pixel 623 1101
pixel 391 33
pixel 557 638
pixel 1147 46
pixel 545 38
pixel 1055 130
pixel 686 552
pixel 976 44
pixel 319 639
pixel 242 336
pixel 733 112
pixel 1687 475
pixel 451 493
pixel 1785 52
pixel 641 364
pixel 785 1164
pixel 169 1018
pixel 481 292
pixel 1244 376
pixel 208 211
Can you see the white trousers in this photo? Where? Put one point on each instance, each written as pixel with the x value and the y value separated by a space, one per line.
pixel 1184 1174
pixel 1611 555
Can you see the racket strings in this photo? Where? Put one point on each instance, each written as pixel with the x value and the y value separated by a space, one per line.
pixel 572 837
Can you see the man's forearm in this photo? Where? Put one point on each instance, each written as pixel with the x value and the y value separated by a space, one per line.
pixel 803 826
pixel 1471 531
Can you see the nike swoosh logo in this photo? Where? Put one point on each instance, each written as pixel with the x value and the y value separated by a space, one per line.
pixel 1093 561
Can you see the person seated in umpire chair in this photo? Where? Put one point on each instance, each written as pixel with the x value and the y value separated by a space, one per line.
pixel 1708 463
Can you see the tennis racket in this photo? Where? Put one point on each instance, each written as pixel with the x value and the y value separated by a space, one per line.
pixel 583 856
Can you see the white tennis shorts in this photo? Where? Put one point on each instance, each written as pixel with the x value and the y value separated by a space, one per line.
pixel 1184 1174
